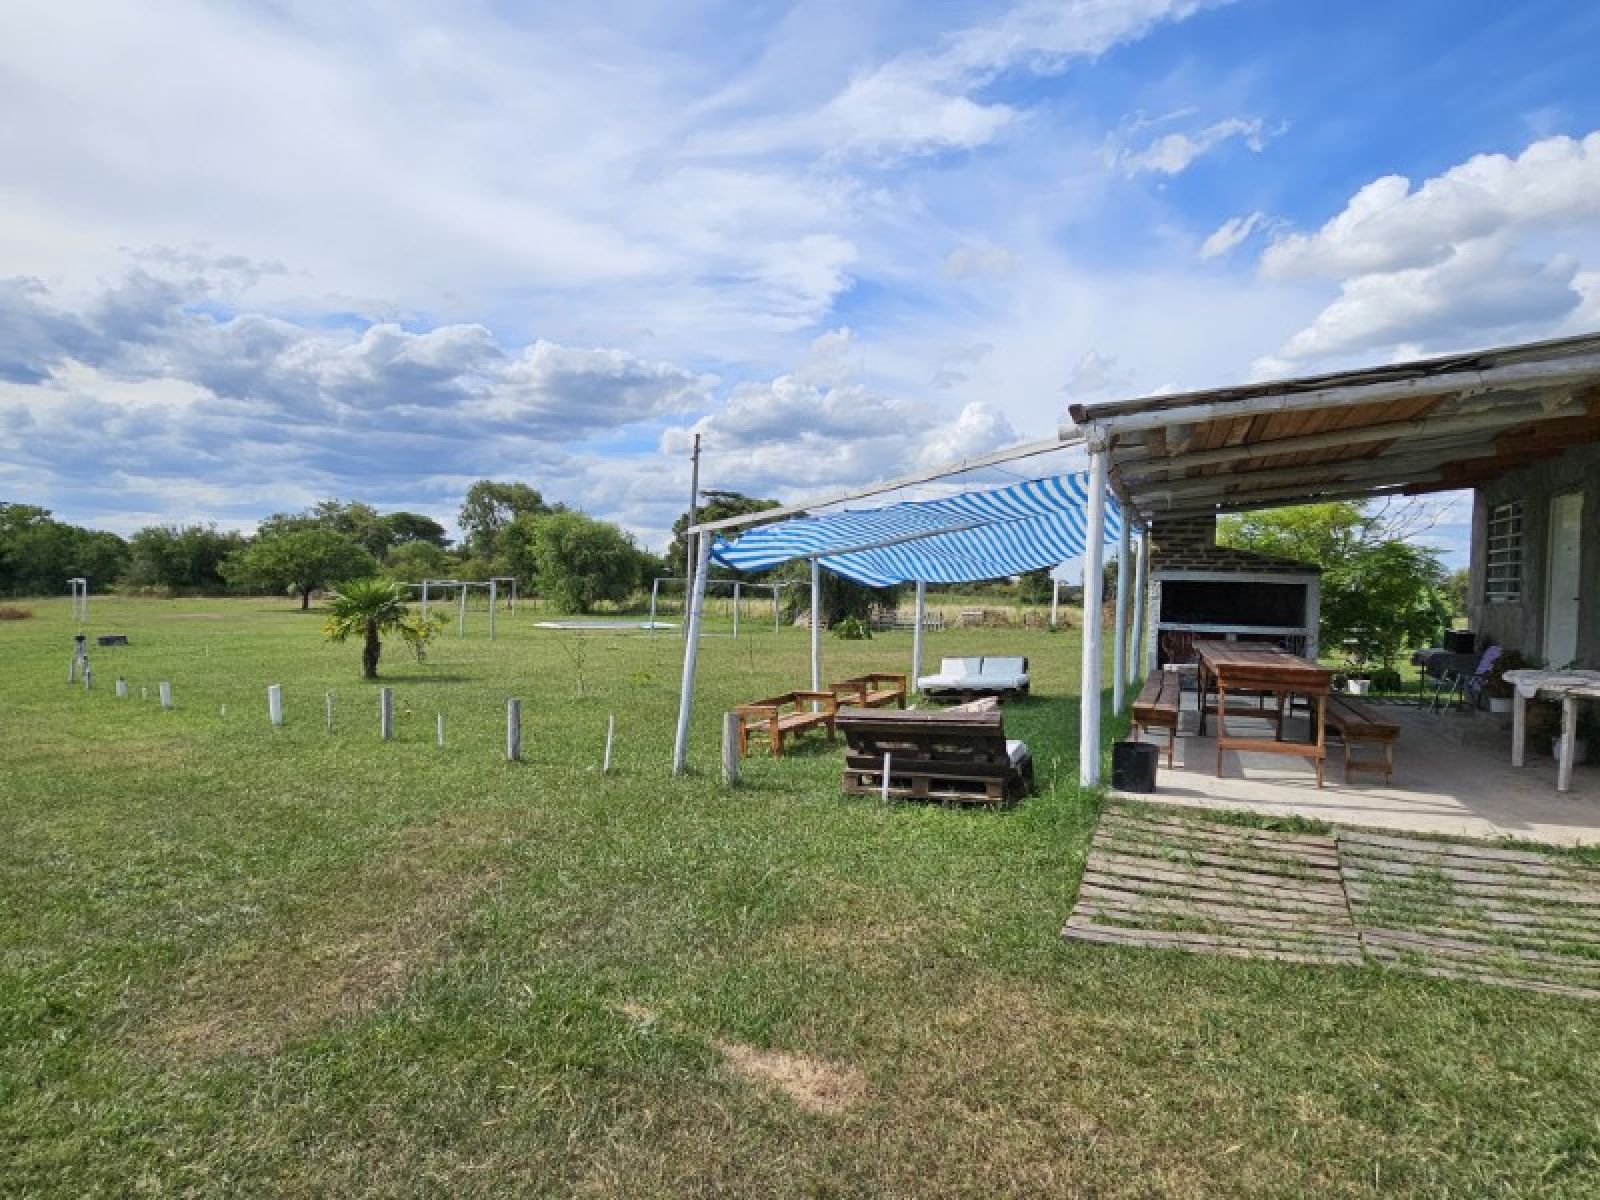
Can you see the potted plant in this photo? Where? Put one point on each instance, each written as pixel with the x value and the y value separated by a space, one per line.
pixel 1498 688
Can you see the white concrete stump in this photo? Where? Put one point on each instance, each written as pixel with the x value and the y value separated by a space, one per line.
pixel 122 688
pixel 730 748
pixel 165 690
pixel 386 714
pixel 327 711
pixel 611 733
pixel 438 730
pixel 144 693
pixel 513 730
pixel 275 703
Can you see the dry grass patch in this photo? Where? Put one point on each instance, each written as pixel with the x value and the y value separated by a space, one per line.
pixel 814 1085
pixel 10 612
pixel 346 949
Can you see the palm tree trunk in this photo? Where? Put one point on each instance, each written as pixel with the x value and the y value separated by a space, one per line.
pixel 370 652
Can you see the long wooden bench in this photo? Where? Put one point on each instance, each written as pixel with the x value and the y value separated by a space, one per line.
pixel 785 716
pixel 1356 724
pixel 876 690
pixel 1158 704
pixel 954 755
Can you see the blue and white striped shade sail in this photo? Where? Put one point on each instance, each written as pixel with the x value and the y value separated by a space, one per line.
pixel 956 539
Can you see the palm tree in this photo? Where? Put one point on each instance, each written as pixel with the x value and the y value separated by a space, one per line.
pixel 375 608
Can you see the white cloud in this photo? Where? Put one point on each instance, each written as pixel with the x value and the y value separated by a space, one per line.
pixel 1231 233
pixel 1095 372
pixel 1462 260
pixel 1387 226
pixel 1174 153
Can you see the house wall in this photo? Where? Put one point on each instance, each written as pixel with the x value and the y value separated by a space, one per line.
pixel 1520 626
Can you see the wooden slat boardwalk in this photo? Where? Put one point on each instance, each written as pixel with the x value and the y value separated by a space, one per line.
pixel 1517 918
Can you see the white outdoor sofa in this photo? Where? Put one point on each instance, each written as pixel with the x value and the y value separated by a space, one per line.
pixel 969 677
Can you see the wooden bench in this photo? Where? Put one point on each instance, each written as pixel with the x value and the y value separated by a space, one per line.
pixel 781 717
pixel 955 755
pixel 1356 724
pixel 1158 704
pixel 871 691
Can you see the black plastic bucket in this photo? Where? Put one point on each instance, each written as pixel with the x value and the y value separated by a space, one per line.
pixel 1133 766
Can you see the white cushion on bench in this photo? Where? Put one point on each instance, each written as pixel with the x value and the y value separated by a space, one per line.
pixel 1017 752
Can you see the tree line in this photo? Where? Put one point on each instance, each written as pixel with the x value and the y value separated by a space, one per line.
pixel 568 557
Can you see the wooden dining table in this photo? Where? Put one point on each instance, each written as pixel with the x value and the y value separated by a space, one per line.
pixel 1259 667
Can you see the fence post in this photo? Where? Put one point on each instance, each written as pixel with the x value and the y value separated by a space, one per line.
pixel 611 733
pixel 386 714
pixel 275 703
pixel 165 689
pixel 513 730
pixel 730 748
pixel 439 729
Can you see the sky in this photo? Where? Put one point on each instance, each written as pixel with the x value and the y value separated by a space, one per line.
pixel 253 255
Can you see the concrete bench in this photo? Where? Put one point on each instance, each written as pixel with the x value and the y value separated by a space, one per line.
pixel 1158 704
pixel 1356 724
pixel 785 716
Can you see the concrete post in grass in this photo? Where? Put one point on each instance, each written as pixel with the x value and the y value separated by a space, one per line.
pixel 730 748
pixel 165 690
pixel 438 730
pixel 122 688
pixel 386 714
pixel 275 703
pixel 513 730
pixel 611 733
pixel 327 711
pixel 88 675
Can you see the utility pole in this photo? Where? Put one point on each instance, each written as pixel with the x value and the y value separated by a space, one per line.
pixel 694 507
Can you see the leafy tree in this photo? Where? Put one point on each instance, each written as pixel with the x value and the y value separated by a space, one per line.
pixel 1385 593
pixel 301 560
pixel 375 609
pixel 405 528
pixel 714 506
pixel 1456 589
pixel 359 522
pixel 412 561
pixel 1035 587
pixel 842 599
pixel 38 554
pixel 188 557
pixel 574 560
pixel 490 506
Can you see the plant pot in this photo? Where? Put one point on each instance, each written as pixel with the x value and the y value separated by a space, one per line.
pixel 1580 751
pixel 1358 687
pixel 1499 704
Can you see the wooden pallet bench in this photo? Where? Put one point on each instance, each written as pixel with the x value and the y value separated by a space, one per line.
pixel 954 755
pixel 782 717
pixel 876 690
pixel 1356 724
pixel 1158 704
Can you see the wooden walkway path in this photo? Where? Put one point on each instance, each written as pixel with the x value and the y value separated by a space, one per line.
pixel 1518 918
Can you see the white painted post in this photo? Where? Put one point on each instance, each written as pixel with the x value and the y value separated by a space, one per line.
pixel 816 625
pixel 386 714
pixel 916 633
pixel 680 741
pixel 513 730
pixel 165 690
pixel 777 615
pixel 462 630
pixel 122 688
pixel 1055 601
pixel 438 729
pixel 1141 590
pixel 736 609
pixel 275 703
pixel 494 599
pixel 883 795
pixel 425 599
pixel 655 587
pixel 1119 638
pixel 88 675
pixel 1093 581
pixel 730 748
pixel 327 712
pixel 611 734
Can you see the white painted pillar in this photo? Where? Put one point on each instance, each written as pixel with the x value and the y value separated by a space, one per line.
pixel 655 587
pixel 777 614
pixel 691 647
pixel 386 714
pixel 494 601
pixel 461 630
pixel 916 633
pixel 275 703
pixel 1141 592
pixel 735 608
pixel 513 730
pixel 1055 601
pixel 816 625
pixel 1093 588
pixel 1119 637
pixel 424 599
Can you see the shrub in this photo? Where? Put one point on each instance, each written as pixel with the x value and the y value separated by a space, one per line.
pixel 851 629
pixel 1387 679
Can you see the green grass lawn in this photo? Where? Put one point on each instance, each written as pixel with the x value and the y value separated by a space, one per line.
pixel 244 961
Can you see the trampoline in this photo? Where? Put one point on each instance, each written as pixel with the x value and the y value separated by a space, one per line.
pixel 619 624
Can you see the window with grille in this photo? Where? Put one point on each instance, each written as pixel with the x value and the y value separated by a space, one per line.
pixel 1502 580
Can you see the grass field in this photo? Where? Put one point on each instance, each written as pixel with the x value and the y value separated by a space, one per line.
pixel 244 961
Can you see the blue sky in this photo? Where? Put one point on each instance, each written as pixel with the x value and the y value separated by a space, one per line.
pixel 253 255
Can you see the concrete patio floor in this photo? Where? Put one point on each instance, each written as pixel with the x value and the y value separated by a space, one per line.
pixel 1453 775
